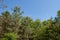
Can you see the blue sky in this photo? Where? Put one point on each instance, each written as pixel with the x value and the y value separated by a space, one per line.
pixel 36 9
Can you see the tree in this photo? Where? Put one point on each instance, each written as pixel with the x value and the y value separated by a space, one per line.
pixel 6 21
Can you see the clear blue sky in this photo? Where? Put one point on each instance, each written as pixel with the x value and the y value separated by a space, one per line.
pixel 36 9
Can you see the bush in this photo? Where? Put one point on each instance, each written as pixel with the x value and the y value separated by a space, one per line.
pixel 9 36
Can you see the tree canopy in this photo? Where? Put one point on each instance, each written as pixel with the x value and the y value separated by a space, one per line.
pixel 14 26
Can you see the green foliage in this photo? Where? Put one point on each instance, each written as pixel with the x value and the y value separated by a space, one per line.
pixel 9 36
pixel 58 13
pixel 14 26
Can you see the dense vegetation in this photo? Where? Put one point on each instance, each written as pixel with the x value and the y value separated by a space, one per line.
pixel 14 26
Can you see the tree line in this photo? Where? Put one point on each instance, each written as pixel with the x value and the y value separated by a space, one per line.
pixel 14 26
